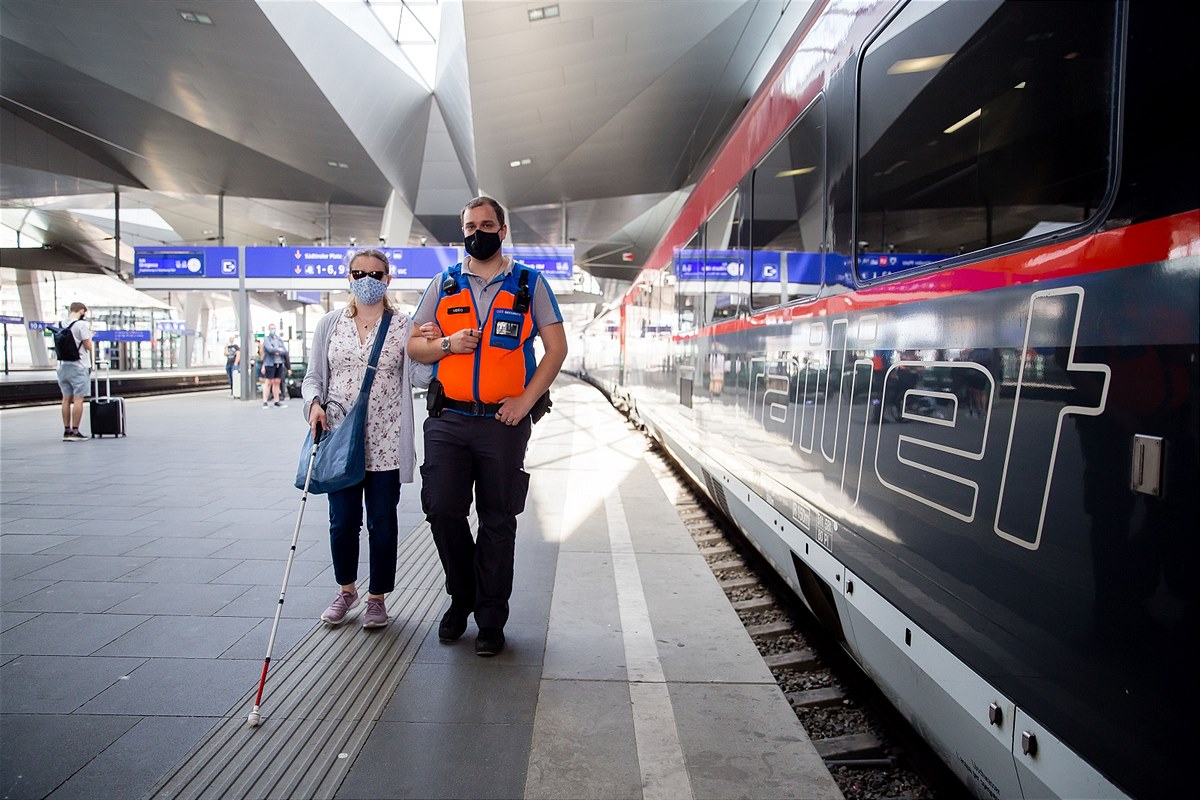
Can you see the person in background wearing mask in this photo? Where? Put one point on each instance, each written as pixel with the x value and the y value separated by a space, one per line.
pixel 274 351
pixel 73 374
pixel 342 345
pixel 490 308
pixel 233 357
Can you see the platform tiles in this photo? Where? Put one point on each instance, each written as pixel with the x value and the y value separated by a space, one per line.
pixel 134 631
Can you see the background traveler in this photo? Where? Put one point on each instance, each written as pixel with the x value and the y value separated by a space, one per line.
pixel 73 374
pixel 233 357
pixel 274 351
pixel 489 308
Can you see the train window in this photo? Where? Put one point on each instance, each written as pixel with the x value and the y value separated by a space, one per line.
pixel 787 229
pixel 981 124
pixel 689 283
pixel 724 260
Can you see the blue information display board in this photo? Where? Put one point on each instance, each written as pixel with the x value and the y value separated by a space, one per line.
pixel 327 262
pixel 8 319
pixel 185 262
pixel 122 336
pixel 556 263
pixel 877 265
pixel 730 265
pixel 307 264
pixel 727 265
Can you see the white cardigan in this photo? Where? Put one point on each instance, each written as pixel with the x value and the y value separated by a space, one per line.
pixel 316 379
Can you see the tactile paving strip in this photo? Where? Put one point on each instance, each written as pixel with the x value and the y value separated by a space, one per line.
pixel 321 699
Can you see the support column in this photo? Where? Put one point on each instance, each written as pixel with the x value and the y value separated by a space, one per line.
pixel 243 315
pixel 202 330
pixel 31 308
pixel 397 222
pixel 191 322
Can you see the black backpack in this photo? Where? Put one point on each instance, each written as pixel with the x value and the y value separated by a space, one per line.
pixel 65 346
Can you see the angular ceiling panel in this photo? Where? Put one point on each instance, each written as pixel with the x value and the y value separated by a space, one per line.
pixel 308 120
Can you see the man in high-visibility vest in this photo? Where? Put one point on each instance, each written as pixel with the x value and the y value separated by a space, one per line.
pixel 488 389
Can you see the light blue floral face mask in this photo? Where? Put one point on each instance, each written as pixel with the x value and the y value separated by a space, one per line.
pixel 368 290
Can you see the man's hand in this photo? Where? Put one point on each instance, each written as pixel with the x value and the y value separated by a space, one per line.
pixel 514 409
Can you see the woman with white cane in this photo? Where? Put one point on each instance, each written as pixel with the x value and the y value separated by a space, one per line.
pixel 359 376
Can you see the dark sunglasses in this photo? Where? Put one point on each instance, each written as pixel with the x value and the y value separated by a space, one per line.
pixel 357 274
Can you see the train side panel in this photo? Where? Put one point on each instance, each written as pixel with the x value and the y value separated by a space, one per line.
pixel 977 472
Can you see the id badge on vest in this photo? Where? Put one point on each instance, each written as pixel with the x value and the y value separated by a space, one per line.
pixel 506 329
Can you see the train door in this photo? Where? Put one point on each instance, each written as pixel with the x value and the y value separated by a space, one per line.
pixel 689 314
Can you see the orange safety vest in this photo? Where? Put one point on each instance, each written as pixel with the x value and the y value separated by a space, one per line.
pixel 504 361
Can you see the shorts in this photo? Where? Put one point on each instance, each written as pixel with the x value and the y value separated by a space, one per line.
pixel 273 372
pixel 73 379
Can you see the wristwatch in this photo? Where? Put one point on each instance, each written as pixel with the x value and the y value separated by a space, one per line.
pixel 445 344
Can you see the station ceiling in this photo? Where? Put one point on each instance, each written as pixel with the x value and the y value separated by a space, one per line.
pixel 317 125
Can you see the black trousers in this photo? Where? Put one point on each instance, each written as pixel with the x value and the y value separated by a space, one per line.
pixel 481 457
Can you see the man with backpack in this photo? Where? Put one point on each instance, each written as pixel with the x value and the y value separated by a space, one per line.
pixel 73 346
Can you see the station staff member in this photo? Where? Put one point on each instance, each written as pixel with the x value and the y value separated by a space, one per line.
pixel 489 309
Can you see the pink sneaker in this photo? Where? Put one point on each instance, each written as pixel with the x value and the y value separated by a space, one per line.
pixel 340 607
pixel 376 615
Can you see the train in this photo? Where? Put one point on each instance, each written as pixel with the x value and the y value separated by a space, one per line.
pixel 925 329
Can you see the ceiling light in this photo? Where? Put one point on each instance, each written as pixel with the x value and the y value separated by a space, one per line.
pixel 974 115
pixel 788 173
pixel 514 163
pixel 544 12
pixel 338 164
pixel 197 17
pixel 520 162
pixel 906 66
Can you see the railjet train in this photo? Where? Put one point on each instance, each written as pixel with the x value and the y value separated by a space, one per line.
pixel 926 329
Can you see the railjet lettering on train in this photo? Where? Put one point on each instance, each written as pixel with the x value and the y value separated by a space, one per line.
pixel 901 461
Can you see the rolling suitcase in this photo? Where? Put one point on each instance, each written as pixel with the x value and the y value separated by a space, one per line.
pixel 107 413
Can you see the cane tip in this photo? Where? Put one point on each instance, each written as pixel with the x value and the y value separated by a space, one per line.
pixel 253 719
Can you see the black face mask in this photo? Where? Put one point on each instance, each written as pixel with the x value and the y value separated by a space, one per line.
pixel 482 245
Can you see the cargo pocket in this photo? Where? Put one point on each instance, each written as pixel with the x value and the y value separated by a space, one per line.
pixel 517 492
pixel 425 493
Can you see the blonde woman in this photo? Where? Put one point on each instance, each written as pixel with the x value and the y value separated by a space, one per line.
pixel 342 345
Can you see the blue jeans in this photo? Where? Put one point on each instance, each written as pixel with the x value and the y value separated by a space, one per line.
pixel 380 491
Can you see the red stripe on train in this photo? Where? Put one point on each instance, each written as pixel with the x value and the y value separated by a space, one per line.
pixel 1163 239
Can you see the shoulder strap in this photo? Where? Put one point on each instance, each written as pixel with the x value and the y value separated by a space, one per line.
pixel 373 364
pixel 521 303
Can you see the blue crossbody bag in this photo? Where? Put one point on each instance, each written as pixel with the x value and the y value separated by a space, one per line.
pixel 340 459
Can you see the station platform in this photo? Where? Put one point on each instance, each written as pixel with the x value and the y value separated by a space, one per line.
pixel 31 387
pixel 139 577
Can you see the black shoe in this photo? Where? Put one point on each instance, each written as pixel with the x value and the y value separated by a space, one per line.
pixel 489 642
pixel 453 625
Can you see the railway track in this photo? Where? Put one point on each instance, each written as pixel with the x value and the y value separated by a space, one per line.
pixel 870 749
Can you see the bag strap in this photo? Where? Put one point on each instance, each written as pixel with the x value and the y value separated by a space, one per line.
pixel 372 365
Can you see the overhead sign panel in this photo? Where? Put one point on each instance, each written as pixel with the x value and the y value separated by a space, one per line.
pixel 326 262
pixel 122 336
pixel 193 262
pixel 556 263
pixel 730 265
